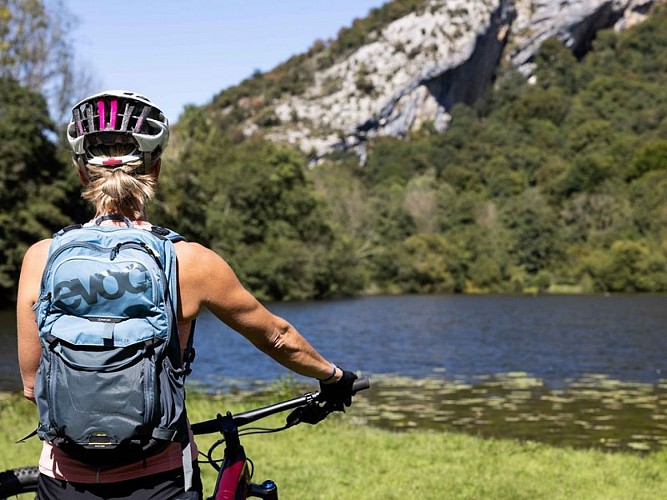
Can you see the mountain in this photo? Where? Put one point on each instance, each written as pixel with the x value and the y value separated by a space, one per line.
pixel 407 63
pixel 506 147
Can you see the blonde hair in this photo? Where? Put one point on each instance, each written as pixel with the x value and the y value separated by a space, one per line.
pixel 124 190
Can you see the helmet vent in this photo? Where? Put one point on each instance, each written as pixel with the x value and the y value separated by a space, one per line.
pixel 89 117
pixel 126 117
pixel 142 117
pixel 77 120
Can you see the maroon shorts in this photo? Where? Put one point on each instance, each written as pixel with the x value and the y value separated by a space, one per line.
pixel 163 486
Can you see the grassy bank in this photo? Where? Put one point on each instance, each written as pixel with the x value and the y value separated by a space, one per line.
pixel 340 458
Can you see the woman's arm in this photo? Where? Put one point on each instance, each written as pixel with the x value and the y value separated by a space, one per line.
pixel 205 279
pixel 29 349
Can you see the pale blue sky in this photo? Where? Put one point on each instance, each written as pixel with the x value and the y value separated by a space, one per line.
pixel 184 52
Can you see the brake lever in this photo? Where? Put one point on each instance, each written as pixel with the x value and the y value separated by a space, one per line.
pixel 311 414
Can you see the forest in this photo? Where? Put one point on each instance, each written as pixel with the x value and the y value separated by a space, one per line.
pixel 554 186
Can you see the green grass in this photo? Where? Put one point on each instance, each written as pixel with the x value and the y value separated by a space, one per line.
pixel 343 459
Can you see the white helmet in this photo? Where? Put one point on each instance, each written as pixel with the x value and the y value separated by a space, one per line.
pixel 117 117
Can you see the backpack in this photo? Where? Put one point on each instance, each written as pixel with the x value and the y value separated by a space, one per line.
pixel 110 385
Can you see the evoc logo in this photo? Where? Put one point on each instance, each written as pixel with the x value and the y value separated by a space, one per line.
pixel 110 285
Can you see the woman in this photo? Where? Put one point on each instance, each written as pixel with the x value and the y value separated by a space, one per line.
pixel 117 138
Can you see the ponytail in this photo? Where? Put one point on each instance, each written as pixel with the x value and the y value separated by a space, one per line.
pixel 124 190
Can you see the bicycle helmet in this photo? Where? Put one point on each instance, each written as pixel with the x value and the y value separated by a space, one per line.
pixel 117 117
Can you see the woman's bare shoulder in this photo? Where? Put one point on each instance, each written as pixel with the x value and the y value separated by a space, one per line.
pixel 34 261
pixel 191 250
pixel 37 252
pixel 200 265
pixel 195 257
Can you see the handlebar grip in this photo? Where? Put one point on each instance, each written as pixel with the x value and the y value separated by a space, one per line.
pixel 361 384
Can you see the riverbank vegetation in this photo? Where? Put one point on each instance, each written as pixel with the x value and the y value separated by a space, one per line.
pixel 342 458
pixel 555 186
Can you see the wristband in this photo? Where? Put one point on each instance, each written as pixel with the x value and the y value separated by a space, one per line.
pixel 330 377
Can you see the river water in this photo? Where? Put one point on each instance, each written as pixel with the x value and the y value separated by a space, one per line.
pixel 576 370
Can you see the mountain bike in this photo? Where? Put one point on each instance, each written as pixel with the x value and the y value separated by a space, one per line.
pixel 235 469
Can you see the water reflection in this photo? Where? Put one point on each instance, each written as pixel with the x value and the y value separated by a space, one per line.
pixel 592 411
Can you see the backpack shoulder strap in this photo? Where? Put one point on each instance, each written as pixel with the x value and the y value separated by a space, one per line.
pixel 167 234
pixel 189 352
pixel 188 358
pixel 67 229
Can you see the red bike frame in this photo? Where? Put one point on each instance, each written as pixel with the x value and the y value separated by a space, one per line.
pixel 234 478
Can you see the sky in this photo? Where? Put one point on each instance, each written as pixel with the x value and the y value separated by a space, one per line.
pixel 179 52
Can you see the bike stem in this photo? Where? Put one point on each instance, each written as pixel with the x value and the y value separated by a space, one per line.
pixel 229 429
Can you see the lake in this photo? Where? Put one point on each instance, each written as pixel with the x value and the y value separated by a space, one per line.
pixel 555 338
pixel 566 369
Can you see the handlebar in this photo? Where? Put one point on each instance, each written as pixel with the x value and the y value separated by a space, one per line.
pixel 247 417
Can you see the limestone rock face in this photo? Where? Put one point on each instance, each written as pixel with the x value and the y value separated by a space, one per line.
pixel 416 68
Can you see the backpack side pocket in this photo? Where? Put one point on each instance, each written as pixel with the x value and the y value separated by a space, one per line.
pixel 172 401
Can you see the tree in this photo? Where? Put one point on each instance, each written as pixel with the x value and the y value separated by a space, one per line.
pixel 651 156
pixel 36 51
pixel 34 184
pixel 630 266
pixel 556 66
pixel 649 203
pixel 535 230
pixel 428 263
pixel 586 173
pixel 551 104
pixel 421 201
pixel 253 203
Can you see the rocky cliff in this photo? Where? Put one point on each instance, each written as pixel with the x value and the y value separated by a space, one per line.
pixel 417 67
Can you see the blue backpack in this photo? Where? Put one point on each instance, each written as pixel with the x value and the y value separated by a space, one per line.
pixel 110 385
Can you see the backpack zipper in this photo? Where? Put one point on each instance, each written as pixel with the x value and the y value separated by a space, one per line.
pixel 113 253
pixel 149 250
pixel 61 249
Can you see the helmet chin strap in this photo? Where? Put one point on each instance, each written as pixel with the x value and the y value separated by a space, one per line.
pixel 147 162
pixel 81 167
